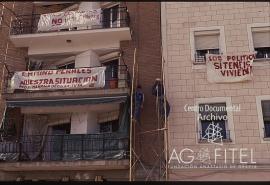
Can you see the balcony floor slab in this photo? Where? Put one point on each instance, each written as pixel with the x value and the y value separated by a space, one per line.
pixel 66 165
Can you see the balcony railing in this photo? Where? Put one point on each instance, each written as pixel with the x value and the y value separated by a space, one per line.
pixel 28 24
pixel 68 147
pixel 112 80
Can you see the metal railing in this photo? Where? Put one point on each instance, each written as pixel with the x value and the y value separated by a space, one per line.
pixel 199 59
pixel 226 136
pixel 120 80
pixel 68 147
pixel 28 24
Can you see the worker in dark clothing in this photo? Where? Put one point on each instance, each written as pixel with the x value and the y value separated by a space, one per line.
pixel 139 100
pixel 158 91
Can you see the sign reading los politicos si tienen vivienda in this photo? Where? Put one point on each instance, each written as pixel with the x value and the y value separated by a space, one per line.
pixel 229 68
pixel 59 79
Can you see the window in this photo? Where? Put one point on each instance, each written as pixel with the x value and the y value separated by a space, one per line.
pixel 61 129
pixel 35 65
pixel 109 126
pixel 111 17
pixel 111 72
pixel 266 117
pixel 261 41
pixel 206 42
pixel 216 114
pixel 67 66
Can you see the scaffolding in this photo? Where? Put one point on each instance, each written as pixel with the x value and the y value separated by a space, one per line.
pixel 139 169
pixel 6 49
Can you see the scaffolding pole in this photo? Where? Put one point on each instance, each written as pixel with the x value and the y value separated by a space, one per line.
pixel 160 153
pixel 166 138
pixel 5 56
pixel 131 121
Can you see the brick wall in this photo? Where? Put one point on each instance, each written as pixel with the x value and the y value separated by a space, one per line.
pixel 145 25
pixel 13 57
pixel 185 84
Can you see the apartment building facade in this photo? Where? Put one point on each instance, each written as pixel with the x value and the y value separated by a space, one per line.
pixel 236 145
pixel 65 99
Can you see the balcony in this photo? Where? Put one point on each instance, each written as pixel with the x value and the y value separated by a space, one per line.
pixel 116 84
pixel 107 32
pixel 61 151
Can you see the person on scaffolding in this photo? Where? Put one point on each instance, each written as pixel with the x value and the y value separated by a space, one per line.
pixel 158 91
pixel 139 100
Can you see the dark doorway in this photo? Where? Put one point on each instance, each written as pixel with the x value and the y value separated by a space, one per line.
pixel 57 140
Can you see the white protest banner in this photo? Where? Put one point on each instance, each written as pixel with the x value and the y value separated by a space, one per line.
pixel 59 79
pixel 70 19
pixel 229 68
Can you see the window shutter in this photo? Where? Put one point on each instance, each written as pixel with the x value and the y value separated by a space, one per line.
pixel 266 110
pixel 261 37
pixel 206 40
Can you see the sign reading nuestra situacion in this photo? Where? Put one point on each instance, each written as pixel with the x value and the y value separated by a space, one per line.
pixel 59 79
pixel 70 19
pixel 229 68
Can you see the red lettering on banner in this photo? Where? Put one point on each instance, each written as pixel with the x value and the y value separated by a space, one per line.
pixel 75 80
pixel 51 81
pixel 231 66
pixel 45 81
pixel 67 78
pixel 57 21
pixel 94 78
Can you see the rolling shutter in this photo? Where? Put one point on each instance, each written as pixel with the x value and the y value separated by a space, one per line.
pixel 206 40
pixel 261 37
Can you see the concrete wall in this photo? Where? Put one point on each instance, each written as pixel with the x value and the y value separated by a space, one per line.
pixel 186 83
pixel 87 59
pixel 84 123
pixel 89 5
pixel 76 175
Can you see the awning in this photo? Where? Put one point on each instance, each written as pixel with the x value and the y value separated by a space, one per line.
pixel 65 102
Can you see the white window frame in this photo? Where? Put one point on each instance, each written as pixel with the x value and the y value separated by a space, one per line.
pixel 263 61
pixel 222 42
pixel 259 100
pixel 230 123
